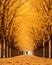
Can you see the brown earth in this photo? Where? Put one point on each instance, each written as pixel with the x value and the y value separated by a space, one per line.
pixel 26 60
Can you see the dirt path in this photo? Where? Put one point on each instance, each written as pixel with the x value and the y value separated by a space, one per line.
pixel 26 60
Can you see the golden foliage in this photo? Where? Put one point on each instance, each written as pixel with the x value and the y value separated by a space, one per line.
pixel 28 20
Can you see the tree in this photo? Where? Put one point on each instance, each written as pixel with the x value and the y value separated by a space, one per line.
pixel 7 16
pixel 43 21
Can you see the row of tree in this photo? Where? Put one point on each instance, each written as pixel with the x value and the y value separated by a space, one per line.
pixel 7 16
pixel 43 31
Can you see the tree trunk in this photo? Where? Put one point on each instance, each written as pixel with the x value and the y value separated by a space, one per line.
pixel 5 48
pixel 49 48
pixel 2 49
pixel 43 48
pixel 9 51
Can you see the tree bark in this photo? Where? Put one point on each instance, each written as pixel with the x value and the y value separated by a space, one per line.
pixel 5 48
pixel 9 51
pixel 2 49
pixel 43 48
pixel 50 49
